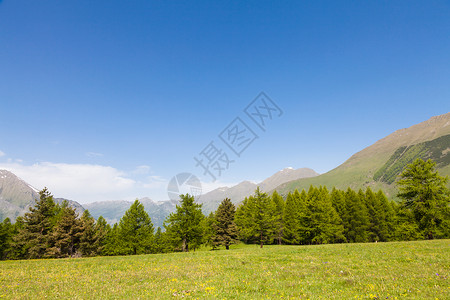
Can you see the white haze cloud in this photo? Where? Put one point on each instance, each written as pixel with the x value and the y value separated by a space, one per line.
pixel 2 153
pixel 88 182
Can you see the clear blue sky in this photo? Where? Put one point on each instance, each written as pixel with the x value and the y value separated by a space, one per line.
pixel 128 92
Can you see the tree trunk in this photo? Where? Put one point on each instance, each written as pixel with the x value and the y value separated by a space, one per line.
pixel 227 247
pixel 261 239
pixel 185 246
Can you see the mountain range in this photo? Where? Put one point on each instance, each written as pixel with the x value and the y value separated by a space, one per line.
pixel 376 166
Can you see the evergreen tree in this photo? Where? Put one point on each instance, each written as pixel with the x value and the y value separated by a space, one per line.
pixel 184 227
pixel 326 225
pixel 36 226
pixel 161 243
pixel 291 220
pixel 113 242
pixel 64 239
pixel 425 193
pixel 136 230
pixel 278 204
pixel 355 218
pixel 89 236
pixel 209 232
pixel 101 230
pixel 6 232
pixel 263 217
pixel 338 201
pixel 224 226
pixel 387 231
pixel 244 220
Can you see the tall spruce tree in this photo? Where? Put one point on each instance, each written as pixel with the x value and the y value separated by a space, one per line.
pixel 326 225
pixel 184 227
pixel 424 192
pixel 136 230
pixel 36 226
pixel 278 204
pixel 291 220
pixel 6 232
pixel 88 238
pixel 64 239
pixel 355 218
pixel 224 226
pixel 263 215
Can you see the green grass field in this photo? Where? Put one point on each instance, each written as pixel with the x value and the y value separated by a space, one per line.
pixel 403 270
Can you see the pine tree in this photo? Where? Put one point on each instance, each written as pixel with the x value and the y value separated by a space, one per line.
pixel 102 228
pixel 209 232
pixel 425 193
pixel 388 228
pixel 113 242
pixel 6 232
pixel 326 225
pixel 36 226
pixel 161 243
pixel 355 218
pixel 88 238
pixel 263 217
pixel 291 220
pixel 278 204
pixel 136 230
pixel 64 239
pixel 224 226
pixel 244 220
pixel 184 227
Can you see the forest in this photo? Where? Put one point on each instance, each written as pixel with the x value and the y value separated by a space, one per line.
pixel 316 216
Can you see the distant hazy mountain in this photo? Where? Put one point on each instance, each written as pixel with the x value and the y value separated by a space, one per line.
pixel 112 211
pixel 378 165
pixel 238 192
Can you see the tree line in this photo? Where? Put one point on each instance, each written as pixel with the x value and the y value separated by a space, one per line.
pixel 316 216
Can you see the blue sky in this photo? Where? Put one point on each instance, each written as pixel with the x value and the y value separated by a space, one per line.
pixel 105 100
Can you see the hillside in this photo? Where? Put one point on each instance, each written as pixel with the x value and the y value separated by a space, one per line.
pixel 378 165
pixel 238 192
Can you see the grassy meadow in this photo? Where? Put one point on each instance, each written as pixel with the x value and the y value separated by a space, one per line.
pixel 397 270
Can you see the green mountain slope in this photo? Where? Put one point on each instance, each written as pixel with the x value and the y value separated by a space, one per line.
pixel 378 165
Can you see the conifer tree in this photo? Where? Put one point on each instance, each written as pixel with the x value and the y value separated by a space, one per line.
pixel 263 215
pixel 113 242
pixel 88 238
pixel 136 230
pixel 355 218
pixel 209 232
pixel 64 239
pixel 425 193
pixel 244 220
pixel 184 227
pixel 6 232
pixel 102 228
pixel 278 204
pixel 326 225
pixel 291 220
pixel 36 226
pixel 225 230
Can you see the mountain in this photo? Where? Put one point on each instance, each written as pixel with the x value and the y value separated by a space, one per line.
pixel 112 211
pixel 238 192
pixel 378 165
pixel 16 196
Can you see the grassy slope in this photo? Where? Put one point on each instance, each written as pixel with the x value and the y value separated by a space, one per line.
pixel 357 172
pixel 417 270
